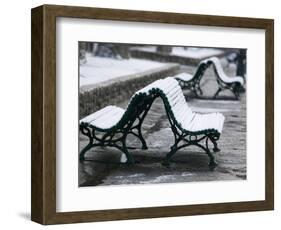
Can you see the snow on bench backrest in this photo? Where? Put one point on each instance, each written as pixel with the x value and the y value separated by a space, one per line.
pixel 202 64
pixel 133 100
pixel 179 107
pixel 221 73
pixel 175 98
pixel 146 90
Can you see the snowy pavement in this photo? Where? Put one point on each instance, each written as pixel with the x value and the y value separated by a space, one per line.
pixel 189 164
pixel 100 69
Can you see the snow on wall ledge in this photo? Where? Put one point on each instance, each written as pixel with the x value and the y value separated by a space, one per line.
pixel 111 92
pixel 177 56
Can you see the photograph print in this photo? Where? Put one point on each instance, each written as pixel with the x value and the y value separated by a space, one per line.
pixel 151 114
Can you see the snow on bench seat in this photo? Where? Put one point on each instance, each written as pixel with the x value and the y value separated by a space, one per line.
pixel 201 122
pixel 105 118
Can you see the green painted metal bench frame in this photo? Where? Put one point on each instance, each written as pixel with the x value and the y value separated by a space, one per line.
pixel 130 123
pixel 194 83
pixel 184 138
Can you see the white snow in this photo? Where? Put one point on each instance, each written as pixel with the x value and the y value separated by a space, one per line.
pixel 123 158
pixel 99 69
pixel 105 118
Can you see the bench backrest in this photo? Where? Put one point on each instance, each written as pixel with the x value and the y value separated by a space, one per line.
pixel 138 103
pixel 176 106
pixel 171 93
pixel 201 68
pixel 220 72
pixel 199 72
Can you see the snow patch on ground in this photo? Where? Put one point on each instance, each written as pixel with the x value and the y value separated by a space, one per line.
pixel 99 69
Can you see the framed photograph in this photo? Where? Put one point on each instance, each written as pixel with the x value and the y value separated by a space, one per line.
pixel 139 114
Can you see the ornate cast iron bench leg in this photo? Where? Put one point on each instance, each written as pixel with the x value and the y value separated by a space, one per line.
pixel 233 88
pixel 212 162
pixel 106 140
pixel 236 90
pixel 217 93
pixel 166 161
pixel 87 132
pixel 130 159
pixel 196 142
pixel 144 145
pixel 138 134
pixel 213 139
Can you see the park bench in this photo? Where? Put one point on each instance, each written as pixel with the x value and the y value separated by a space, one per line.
pixel 192 82
pixel 234 84
pixel 111 125
pixel 189 128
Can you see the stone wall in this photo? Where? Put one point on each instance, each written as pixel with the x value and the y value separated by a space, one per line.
pixel 97 96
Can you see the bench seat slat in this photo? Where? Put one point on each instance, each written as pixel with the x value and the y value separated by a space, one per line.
pixel 203 122
pixel 105 118
pixel 108 122
pixel 174 92
pixel 168 84
pixel 167 89
pixel 185 117
pixel 177 99
pixel 97 114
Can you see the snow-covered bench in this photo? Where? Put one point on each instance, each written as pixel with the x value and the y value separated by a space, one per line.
pixel 192 82
pixel 235 84
pixel 111 125
pixel 189 128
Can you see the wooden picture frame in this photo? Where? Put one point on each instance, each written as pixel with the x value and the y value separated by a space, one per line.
pixel 43 208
